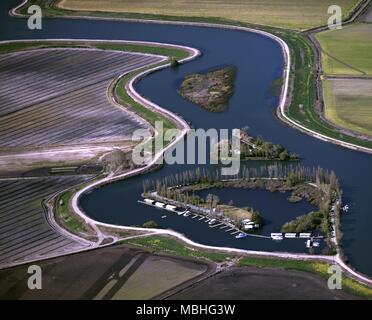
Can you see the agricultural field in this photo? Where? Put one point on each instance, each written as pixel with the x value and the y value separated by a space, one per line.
pixel 142 283
pixel 68 87
pixel 24 231
pixel 347 51
pixel 298 14
pixel 348 103
pixel 104 274
pixel 262 284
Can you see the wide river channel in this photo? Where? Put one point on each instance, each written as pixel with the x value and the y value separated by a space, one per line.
pixel 259 62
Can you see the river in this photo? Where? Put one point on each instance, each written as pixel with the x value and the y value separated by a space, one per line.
pixel 259 61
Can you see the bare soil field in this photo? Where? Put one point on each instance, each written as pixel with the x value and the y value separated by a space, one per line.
pixel 348 104
pixel 24 231
pixel 21 162
pixel 108 273
pixel 58 97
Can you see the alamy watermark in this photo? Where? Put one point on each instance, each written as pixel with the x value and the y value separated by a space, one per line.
pixel 335 20
pixel 35 20
pixel 335 280
pixel 223 146
pixel 34 282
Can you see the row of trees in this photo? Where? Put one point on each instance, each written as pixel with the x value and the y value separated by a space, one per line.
pixel 293 174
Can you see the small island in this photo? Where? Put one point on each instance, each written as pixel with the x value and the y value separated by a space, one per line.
pixel 211 90
pixel 259 149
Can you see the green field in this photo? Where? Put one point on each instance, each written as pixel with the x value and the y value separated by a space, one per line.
pixel 348 104
pixel 293 14
pixel 157 275
pixel 159 244
pixel 165 244
pixel 319 268
pixel 347 51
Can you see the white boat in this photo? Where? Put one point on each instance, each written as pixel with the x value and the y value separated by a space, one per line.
pixel 305 235
pixel 309 244
pixel 316 244
pixel 290 235
pixel 149 201
pixel 187 213
pixel 240 235
pixel 248 223
pixel 160 205
pixel 277 236
pixel 169 207
pixel 212 221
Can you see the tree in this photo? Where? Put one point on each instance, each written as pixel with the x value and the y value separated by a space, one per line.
pixel 209 200
pixel 150 224
pixel 215 201
pixel 284 155
pixel 174 62
pixel 291 179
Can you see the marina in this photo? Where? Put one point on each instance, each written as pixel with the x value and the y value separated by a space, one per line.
pixel 311 240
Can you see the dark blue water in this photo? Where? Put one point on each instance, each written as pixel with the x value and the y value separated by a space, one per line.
pixel 259 62
pixel 277 211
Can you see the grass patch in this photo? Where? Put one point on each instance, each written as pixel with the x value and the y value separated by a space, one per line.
pixel 353 59
pixel 145 113
pixel 305 223
pixel 296 15
pixel 66 218
pixel 348 104
pixel 320 268
pixel 158 50
pixel 159 244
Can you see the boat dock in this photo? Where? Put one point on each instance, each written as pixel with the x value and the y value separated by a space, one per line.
pixel 216 223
